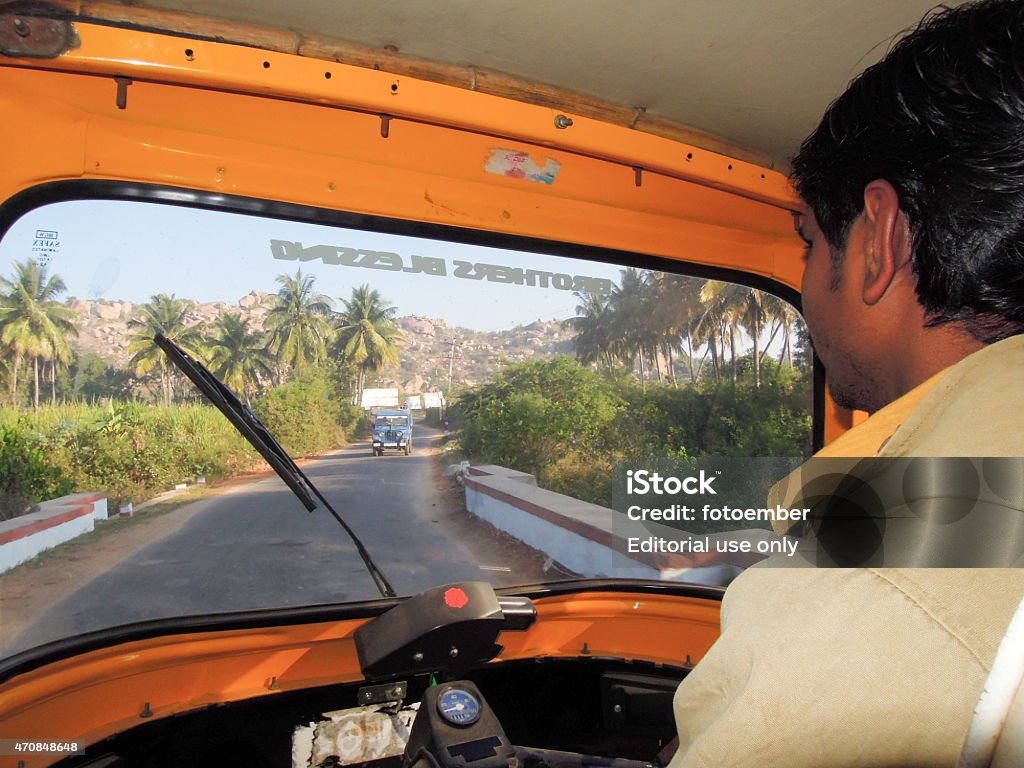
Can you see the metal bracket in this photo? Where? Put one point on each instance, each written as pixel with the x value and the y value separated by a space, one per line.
pixel 383 694
pixel 122 91
pixel 33 30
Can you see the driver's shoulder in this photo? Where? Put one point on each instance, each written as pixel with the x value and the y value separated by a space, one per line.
pixel 814 664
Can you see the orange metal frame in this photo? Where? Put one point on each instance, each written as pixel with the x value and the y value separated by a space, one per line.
pixel 236 120
pixel 227 118
pixel 276 126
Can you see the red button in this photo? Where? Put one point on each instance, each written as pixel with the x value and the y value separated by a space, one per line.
pixel 455 598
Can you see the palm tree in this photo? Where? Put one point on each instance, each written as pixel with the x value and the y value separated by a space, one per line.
pixel 367 334
pixel 595 338
pixel 782 317
pixel 738 307
pixel 724 306
pixel 59 351
pixel 632 314
pixel 685 292
pixel 673 309
pixel 32 323
pixel 238 355
pixel 165 315
pixel 299 323
pixel 751 318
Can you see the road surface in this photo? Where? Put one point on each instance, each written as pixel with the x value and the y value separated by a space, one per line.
pixel 255 546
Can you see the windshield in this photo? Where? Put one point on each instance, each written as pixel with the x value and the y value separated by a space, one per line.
pixel 520 386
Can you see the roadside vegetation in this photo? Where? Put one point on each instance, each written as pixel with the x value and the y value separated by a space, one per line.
pixel 131 450
pixel 664 366
pixel 75 423
pixel 569 425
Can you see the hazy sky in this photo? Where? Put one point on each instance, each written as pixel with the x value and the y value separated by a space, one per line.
pixel 130 251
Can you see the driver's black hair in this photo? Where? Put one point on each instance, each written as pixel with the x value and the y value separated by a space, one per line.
pixel 941 118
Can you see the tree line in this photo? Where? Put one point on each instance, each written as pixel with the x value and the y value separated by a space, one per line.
pixel 652 320
pixel 302 329
pixel 656 324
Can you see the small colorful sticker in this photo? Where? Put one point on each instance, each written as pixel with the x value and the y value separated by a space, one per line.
pixel 519 165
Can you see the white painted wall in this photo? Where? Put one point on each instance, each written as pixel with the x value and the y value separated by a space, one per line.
pixel 24 547
pixel 577 553
pixel 554 537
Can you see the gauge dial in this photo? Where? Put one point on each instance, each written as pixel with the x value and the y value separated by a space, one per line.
pixel 458 707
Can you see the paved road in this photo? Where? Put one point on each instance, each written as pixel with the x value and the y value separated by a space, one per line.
pixel 255 546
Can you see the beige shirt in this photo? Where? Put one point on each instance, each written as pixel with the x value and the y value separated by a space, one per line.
pixel 818 668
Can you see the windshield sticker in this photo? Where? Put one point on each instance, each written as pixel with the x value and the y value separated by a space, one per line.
pixel 287 250
pixel 519 165
pixel 45 245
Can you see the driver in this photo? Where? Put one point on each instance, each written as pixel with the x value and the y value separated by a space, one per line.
pixel 914 300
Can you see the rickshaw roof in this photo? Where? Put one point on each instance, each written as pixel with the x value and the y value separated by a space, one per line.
pixel 749 78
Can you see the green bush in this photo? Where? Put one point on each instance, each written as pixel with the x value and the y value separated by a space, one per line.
pixel 352 420
pixel 26 477
pixel 304 415
pixel 569 425
pixel 134 451
pixel 582 476
pixel 535 413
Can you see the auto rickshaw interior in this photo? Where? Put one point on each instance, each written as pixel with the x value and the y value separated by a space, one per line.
pixel 186 153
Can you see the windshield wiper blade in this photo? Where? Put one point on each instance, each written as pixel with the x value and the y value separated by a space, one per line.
pixel 253 430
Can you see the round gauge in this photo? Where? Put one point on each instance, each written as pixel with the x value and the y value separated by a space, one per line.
pixel 458 707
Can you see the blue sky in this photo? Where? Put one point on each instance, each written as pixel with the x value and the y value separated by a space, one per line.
pixel 124 251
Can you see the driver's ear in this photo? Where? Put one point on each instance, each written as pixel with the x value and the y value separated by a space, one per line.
pixel 886 244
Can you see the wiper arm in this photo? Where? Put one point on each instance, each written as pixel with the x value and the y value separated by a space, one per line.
pixel 253 430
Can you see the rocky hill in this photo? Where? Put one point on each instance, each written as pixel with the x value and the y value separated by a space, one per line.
pixel 430 347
